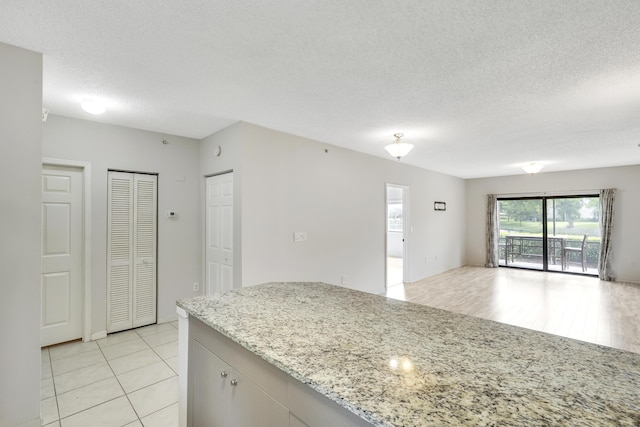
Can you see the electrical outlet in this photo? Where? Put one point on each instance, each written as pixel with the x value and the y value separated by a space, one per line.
pixel 343 280
pixel 196 287
pixel 299 236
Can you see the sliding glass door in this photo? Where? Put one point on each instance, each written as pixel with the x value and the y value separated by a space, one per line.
pixel 574 233
pixel 521 233
pixel 566 238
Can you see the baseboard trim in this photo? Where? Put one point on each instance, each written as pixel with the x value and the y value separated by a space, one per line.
pixel 98 335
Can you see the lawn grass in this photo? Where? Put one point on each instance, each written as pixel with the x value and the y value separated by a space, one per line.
pixel 531 228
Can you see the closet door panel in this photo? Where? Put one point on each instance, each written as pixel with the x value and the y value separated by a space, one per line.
pixel 131 263
pixel 145 219
pixel 119 252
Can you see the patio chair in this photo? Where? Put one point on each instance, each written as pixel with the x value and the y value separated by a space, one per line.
pixel 568 250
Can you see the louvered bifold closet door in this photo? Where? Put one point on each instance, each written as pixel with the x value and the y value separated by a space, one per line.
pixel 131 247
pixel 119 256
pixel 144 243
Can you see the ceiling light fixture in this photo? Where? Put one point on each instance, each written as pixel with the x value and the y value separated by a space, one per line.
pixel 398 148
pixel 532 167
pixel 92 106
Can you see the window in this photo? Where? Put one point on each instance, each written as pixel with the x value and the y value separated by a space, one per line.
pixel 394 217
pixel 566 239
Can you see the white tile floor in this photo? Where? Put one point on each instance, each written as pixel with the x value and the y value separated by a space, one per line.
pixel 126 379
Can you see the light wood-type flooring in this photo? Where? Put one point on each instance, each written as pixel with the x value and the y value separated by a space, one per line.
pixel 579 307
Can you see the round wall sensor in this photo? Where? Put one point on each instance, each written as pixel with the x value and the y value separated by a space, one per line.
pixel 218 150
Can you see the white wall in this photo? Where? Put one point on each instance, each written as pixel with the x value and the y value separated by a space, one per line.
pixel 626 265
pixel 291 184
pixel 20 170
pixel 115 147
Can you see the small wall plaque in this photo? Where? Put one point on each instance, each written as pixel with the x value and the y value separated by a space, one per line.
pixel 439 206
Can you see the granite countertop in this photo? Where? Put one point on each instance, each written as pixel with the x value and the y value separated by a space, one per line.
pixel 395 363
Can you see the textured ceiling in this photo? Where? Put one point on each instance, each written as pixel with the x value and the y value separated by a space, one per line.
pixel 480 87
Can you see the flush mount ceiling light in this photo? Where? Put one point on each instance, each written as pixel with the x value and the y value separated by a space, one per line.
pixel 398 148
pixel 533 167
pixel 92 106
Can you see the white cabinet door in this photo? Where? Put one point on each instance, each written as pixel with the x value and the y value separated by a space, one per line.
pixel 295 421
pixel 131 250
pixel 219 233
pixel 210 395
pixel 253 407
pixel 62 255
pixel 223 397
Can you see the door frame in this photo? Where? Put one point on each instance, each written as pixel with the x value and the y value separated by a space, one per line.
pixel 405 222
pixel 85 167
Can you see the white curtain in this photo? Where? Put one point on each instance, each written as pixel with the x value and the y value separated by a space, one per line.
pixel 492 231
pixel 607 209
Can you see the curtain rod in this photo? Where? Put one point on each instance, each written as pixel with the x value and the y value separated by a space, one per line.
pixel 551 193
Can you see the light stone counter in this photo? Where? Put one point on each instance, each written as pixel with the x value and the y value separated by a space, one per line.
pixel 395 363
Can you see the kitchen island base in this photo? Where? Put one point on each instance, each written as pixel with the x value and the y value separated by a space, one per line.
pixel 335 356
pixel 230 386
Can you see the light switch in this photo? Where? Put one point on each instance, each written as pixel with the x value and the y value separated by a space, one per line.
pixel 299 236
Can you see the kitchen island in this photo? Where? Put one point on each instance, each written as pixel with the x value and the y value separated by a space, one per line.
pixel 371 360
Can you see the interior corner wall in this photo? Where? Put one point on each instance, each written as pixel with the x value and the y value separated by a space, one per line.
pixel 115 147
pixel 626 264
pixel 337 196
pixel 20 200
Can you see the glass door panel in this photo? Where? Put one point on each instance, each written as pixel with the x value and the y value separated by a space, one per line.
pixel 521 233
pixel 573 234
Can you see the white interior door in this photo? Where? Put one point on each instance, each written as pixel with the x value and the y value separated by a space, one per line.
pixel 62 255
pixel 219 233
pixel 131 257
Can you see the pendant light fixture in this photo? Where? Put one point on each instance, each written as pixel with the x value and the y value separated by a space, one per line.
pixel 398 148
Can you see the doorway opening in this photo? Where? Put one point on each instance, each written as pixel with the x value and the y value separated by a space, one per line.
pixel 395 234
